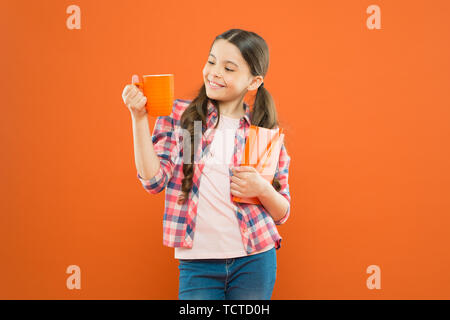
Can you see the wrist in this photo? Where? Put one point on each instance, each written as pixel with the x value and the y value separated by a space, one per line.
pixel 137 118
pixel 266 189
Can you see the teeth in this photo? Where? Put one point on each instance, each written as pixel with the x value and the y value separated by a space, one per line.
pixel 214 85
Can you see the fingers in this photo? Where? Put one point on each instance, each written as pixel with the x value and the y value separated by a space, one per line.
pixel 237 180
pixel 136 99
pixel 235 187
pixel 126 91
pixel 134 79
pixel 139 104
pixel 244 168
pixel 133 92
pixel 144 101
pixel 131 87
pixel 129 91
pixel 132 96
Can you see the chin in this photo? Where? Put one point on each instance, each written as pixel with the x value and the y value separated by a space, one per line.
pixel 211 96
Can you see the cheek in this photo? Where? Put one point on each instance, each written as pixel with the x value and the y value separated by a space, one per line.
pixel 236 81
pixel 232 86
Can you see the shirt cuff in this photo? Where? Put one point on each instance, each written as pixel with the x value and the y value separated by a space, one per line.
pixel 155 184
pixel 286 216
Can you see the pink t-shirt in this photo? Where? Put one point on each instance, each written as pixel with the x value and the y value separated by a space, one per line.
pixel 217 233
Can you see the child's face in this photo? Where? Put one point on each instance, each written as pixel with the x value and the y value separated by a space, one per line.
pixel 226 67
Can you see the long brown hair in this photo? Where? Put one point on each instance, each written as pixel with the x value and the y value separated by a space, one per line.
pixel 255 52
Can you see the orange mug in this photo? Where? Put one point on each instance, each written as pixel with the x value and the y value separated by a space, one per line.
pixel 159 90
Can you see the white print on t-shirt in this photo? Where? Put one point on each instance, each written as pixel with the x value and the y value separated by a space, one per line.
pixel 222 147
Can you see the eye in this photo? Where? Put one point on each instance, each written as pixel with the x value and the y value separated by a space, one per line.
pixel 210 62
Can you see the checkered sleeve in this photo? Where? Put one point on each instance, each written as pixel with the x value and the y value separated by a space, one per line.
pixel 165 146
pixel 282 173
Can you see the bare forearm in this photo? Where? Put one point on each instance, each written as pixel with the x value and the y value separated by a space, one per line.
pixel 274 202
pixel 147 162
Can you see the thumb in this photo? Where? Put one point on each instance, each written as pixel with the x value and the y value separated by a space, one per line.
pixel 135 80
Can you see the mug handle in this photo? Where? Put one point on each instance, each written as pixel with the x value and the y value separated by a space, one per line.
pixel 135 81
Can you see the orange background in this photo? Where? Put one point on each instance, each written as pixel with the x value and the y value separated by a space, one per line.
pixel 366 116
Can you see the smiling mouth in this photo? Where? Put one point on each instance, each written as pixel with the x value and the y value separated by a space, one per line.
pixel 214 85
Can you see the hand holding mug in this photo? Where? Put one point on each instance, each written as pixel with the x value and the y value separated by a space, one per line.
pixel 134 99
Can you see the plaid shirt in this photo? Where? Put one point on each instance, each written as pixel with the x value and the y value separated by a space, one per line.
pixel 258 229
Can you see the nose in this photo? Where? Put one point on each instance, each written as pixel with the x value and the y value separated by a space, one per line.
pixel 216 72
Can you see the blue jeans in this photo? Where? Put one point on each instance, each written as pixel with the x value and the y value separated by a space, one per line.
pixel 243 278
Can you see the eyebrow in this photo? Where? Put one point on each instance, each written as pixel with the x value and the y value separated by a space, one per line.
pixel 226 60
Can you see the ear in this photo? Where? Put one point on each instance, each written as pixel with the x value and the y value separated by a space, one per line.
pixel 257 81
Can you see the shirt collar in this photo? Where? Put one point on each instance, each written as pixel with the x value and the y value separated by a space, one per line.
pixel 212 111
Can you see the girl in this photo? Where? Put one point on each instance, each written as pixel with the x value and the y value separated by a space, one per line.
pixel 226 249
